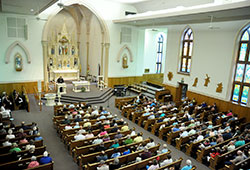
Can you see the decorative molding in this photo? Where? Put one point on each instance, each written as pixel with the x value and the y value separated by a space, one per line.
pixel 219 88
pixel 207 80
pixel 125 47
pixel 12 46
pixel 170 76
pixel 195 82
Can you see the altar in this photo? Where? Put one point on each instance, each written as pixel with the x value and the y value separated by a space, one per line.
pixel 50 99
pixel 66 74
pixel 85 84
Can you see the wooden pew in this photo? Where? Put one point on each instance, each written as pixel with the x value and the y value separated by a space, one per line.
pixel 5 149
pixel 91 158
pixel 123 159
pixel 176 163
pixel 8 156
pixel 218 161
pixel 142 164
pixel 48 166
pixel 240 165
pixel 85 149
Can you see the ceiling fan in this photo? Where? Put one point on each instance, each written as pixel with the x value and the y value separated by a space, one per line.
pixel 211 27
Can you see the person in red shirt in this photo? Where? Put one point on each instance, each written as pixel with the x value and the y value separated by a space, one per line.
pixel 33 163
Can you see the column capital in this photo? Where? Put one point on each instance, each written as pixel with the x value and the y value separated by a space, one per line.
pixel 107 45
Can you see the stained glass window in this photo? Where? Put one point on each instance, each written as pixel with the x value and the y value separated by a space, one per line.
pixel 159 53
pixel 241 84
pixel 244 95
pixel 243 50
pixel 236 92
pixel 187 49
pixel 239 72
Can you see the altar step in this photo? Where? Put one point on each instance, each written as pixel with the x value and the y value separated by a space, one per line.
pixel 104 97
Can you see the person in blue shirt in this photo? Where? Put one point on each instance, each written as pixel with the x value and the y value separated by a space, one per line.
pixel 188 166
pixel 116 153
pixel 45 159
pixel 127 151
pixel 175 128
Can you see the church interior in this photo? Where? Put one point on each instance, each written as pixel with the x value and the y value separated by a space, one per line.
pixel 125 84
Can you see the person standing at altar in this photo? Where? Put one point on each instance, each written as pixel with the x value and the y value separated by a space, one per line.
pixel 60 80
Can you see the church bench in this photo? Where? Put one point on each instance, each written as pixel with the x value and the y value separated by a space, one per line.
pixel 218 161
pixel 172 135
pixel 124 158
pixel 136 116
pixel 18 164
pixel 85 142
pixel 48 166
pixel 85 149
pixel 180 142
pixel 240 165
pixel 17 139
pixel 176 163
pixel 120 101
pixel 91 158
pixel 3 136
pixel 7 157
pixel 142 164
pixel 5 149
pixel 142 119
pixel 56 107
pixel 201 153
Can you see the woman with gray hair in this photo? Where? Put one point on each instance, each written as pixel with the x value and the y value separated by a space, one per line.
pixel 33 163
pixel 188 166
pixel 115 165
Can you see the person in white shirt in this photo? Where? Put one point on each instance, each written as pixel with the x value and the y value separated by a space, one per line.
pixel 10 134
pixel 191 132
pixel 77 125
pixel 184 134
pixel 97 141
pixel 5 113
pixel 67 127
pixel 151 143
pixel 199 138
pixel 167 161
pixel 95 112
pixel 7 143
pixel 182 127
pixel 79 136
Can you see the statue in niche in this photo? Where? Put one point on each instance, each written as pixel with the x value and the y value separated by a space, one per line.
pixel 75 62
pixel 66 50
pixel 60 64
pixel 53 50
pixel 50 62
pixel 68 64
pixel 125 61
pixel 60 50
pixel 18 62
pixel 73 50
pixel 64 64
pixel 207 80
pixel 219 88
pixel 170 76
pixel 195 82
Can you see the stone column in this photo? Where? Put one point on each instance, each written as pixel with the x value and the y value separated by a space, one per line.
pixel 102 51
pixel 87 60
pixel 107 45
pixel 45 71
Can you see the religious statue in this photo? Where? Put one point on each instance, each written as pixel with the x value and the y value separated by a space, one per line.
pixel 207 80
pixel 52 51
pixel 18 62
pixel 170 76
pixel 195 82
pixel 125 61
pixel 219 88
pixel 60 50
pixel 51 62
pixel 73 50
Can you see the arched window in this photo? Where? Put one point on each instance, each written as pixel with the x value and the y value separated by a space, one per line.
pixel 159 53
pixel 241 83
pixel 186 54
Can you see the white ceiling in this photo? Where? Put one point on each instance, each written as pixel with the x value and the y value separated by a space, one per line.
pixel 25 6
pixel 223 12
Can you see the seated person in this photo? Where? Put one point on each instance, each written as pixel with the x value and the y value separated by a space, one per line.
pixel 103 166
pixel 138 138
pixel 151 143
pixel 128 140
pixel 127 151
pixel 154 166
pixel 115 144
pixel 33 163
pixel 60 80
pixel 45 159
pixel 167 161
pixel 102 157
pixel 15 148
pixel 116 153
pixel 188 166
pixel 146 154
pixel 115 165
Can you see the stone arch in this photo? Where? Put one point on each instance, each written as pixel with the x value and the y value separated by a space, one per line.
pixel 12 46
pixel 124 48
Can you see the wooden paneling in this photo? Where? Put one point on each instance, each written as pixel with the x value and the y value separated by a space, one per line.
pixel 9 87
pixel 242 111
pixel 134 79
